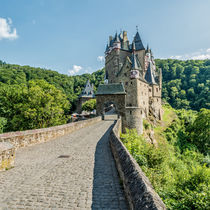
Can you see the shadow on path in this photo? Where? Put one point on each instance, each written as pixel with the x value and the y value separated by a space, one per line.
pixel 107 192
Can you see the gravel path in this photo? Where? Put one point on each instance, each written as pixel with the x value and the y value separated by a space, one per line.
pixel 87 179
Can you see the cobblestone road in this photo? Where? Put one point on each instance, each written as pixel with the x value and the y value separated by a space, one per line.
pixel 86 180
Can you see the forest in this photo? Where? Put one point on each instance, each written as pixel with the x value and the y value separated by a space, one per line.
pixel 185 85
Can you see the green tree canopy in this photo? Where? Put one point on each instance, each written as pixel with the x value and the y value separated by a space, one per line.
pixel 200 131
pixel 89 105
pixel 36 105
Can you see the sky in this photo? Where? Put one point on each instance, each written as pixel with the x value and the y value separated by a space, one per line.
pixel 69 36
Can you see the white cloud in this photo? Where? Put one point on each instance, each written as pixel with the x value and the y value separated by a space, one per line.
pixel 75 70
pixel 208 50
pixel 100 58
pixel 201 54
pixel 5 29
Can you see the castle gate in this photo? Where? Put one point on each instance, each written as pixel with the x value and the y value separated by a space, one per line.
pixel 114 93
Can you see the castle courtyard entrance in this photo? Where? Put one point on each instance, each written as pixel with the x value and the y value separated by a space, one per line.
pixel 111 95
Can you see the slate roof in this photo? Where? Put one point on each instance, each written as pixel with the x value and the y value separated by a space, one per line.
pixel 107 48
pixel 138 42
pixel 88 90
pixel 111 89
pixel 149 76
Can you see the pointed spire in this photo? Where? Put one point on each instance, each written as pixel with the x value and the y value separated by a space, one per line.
pixel 88 90
pixel 134 62
pixel 149 76
pixel 116 38
pixel 147 47
pixel 107 48
pixel 133 47
pixel 138 42
pixel 120 36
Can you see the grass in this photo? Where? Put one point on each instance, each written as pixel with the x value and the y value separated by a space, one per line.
pixel 168 116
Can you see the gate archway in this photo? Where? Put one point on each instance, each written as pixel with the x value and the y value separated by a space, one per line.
pixel 113 93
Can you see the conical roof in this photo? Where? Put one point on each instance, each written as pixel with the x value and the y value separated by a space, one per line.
pixel 116 38
pixel 149 76
pixel 107 48
pixel 88 90
pixel 138 42
pixel 135 65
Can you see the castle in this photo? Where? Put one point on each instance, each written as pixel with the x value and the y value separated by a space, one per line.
pixel 132 66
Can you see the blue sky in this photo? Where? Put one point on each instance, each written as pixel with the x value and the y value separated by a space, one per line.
pixel 70 36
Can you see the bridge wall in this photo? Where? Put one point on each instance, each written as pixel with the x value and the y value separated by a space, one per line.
pixel 11 141
pixel 7 156
pixel 30 137
pixel 138 189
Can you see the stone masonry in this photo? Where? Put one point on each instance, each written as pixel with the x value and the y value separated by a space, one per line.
pixel 75 171
pixel 133 66
pixel 138 189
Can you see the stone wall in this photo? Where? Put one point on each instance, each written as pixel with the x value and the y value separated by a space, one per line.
pixel 138 189
pixel 7 155
pixel 25 138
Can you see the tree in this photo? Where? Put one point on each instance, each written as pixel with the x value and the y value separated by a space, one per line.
pixel 200 131
pixel 89 105
pixel 37 105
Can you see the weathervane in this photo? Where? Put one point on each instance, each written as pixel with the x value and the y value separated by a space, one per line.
pixel 137 28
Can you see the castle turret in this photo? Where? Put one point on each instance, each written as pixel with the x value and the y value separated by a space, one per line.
pixel 140 50
pixel 138 42
pixel 134 73
pixel 116 43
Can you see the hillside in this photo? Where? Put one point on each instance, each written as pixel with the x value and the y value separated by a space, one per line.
pixel 178 164
pixel 72 86
pixel 185 85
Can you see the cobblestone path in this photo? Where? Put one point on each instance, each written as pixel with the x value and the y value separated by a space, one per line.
pixel 86 180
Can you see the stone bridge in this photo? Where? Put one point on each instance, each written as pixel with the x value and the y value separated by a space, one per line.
pixel 73 171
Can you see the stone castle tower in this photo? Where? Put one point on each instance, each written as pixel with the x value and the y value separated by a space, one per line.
pixel 133 66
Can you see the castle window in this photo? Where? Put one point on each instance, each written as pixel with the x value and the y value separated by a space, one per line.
pixel 125 74
pixel 141 112
pixel 130 112
pixel 131 83
pixel 157 89
pixel 143 102
pixel 157 99
pixel 126 83
pixel 150 90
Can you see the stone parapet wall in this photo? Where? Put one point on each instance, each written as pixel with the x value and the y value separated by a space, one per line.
pixel 7 155
pixel 25 138
pixel 138 189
